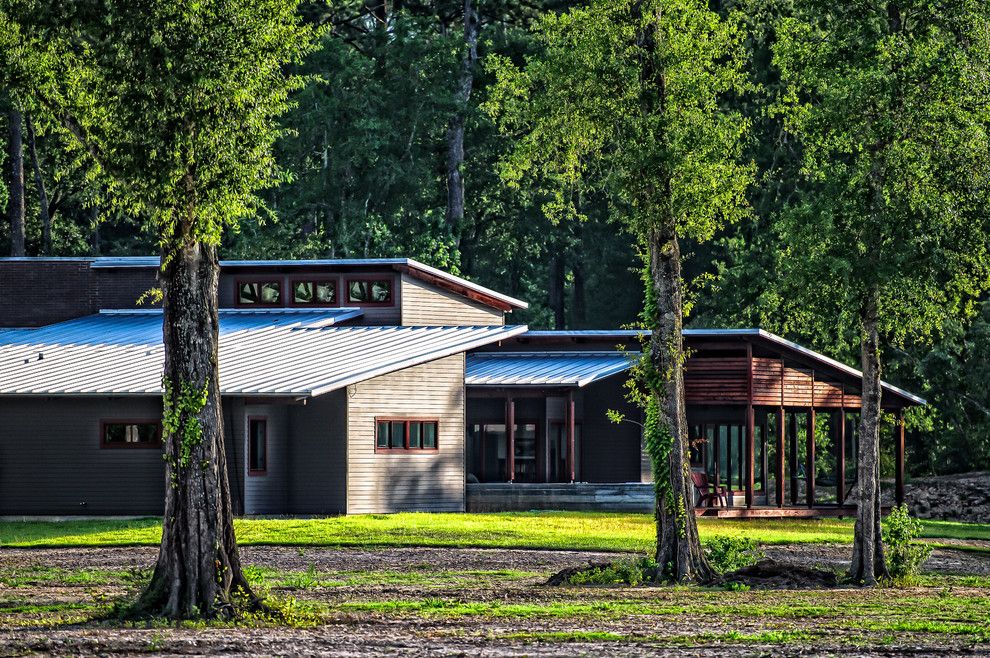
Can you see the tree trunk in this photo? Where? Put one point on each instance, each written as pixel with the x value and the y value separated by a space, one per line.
pixel 556 292
pixel 455 128
pixel 579 303
pixel 198 573
pixel 868 564
pixel 679 555
pixel 39 182
pixel 15 204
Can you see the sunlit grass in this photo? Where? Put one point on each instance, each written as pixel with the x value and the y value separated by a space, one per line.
pixel 597 531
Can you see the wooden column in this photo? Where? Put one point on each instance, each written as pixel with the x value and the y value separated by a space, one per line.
pixel 794 460
pixel 781 431
pixel 510 439
pixel 809 469
pixel 840 480
pixel 750 428
pixel 570 435
pixel 899 459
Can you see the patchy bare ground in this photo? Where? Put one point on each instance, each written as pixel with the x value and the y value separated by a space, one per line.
pixel 464 602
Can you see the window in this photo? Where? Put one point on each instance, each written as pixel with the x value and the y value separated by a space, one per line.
pixel 405 434
pixel 130 434
pixel 257 446
pixel 369 291
pixel 259 293
pixel 314 293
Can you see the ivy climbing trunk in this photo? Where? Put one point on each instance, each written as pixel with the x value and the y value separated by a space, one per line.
pixel 198 573
pixel 679 555
pixel 868 564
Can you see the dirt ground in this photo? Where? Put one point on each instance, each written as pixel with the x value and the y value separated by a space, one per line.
pixel 681 621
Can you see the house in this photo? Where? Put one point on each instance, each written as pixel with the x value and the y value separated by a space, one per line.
pixel 382 385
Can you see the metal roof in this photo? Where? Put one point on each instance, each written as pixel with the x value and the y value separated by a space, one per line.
pixel 773 339
pixel 544 368
pixel 268 353
pixel 103 262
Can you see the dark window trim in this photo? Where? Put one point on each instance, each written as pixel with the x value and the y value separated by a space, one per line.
pixel 406 450
pixel 291 298
pixel 346 300
pixel 250 443
pixel 263 279
pixel 130 421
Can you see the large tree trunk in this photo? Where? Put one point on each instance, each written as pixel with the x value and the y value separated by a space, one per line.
pixel 39 183
pixel 15 204
pixel 556 291
pixel 679 553
pixel 198 572
pixel 868 563
pixel 455 129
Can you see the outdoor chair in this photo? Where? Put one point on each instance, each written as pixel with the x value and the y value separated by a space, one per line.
pixel 709 493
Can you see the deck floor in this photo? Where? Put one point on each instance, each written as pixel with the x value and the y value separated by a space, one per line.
pixel 767 511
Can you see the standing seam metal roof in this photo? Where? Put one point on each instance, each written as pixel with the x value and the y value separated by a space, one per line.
pixel 544 368
pixel 261 353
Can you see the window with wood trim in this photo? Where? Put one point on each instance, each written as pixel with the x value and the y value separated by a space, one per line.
pixel 369 291
pixel 259 293
pixel 130 434
pixel 314 292
pixel 407 434
pixel 257 445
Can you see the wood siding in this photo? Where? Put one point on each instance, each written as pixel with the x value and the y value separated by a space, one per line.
pixel 426 305
pixel 716 380
pixel 398 481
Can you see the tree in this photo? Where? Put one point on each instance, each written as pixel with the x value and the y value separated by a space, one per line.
pixel 15 181
pixel 625 99
pixel 175 104
pixel 890 102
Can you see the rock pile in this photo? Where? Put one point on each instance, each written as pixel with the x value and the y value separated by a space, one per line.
pixel 963 497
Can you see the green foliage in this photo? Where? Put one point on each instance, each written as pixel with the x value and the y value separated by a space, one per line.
pixel 891 103
pixel 173 105
pixel 180 417
pixel 905 556
pixel 727 554
pixel 622 572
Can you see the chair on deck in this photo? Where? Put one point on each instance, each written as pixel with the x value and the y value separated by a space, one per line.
pixel 710 493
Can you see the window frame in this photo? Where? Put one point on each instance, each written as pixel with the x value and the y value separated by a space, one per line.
pixel 259 280
pixel 369 279
pixel 406 420
pixel 104 422
pixel 250 444
pixel 291 299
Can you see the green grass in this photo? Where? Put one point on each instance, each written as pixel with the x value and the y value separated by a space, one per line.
pixel 545 530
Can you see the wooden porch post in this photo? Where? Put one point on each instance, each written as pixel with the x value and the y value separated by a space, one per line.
pixel 809 473
pixel 781 420
pixel 794 460
pixel 840 481
pixel 899 459
pixel 750 427
pixel 510 439
pixel 570 435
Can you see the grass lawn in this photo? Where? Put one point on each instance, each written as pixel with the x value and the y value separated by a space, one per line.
pixel 544 530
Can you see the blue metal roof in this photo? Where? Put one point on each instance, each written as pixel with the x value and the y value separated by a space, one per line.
pixel 544 368
pixel 270 353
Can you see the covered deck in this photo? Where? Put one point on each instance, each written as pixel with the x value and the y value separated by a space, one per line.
pixel 772 424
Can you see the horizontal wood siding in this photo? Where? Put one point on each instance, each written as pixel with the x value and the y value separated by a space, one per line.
pixel 400 481
pixel 426 305
pixel 714 380
pixel 268 493
pixel 51 461
pixel 318 455
pixel 771 381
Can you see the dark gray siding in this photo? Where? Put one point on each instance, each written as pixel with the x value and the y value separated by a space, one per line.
pixel 267 493
pixel 51 461
pixel 318 455
pixel 609 452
